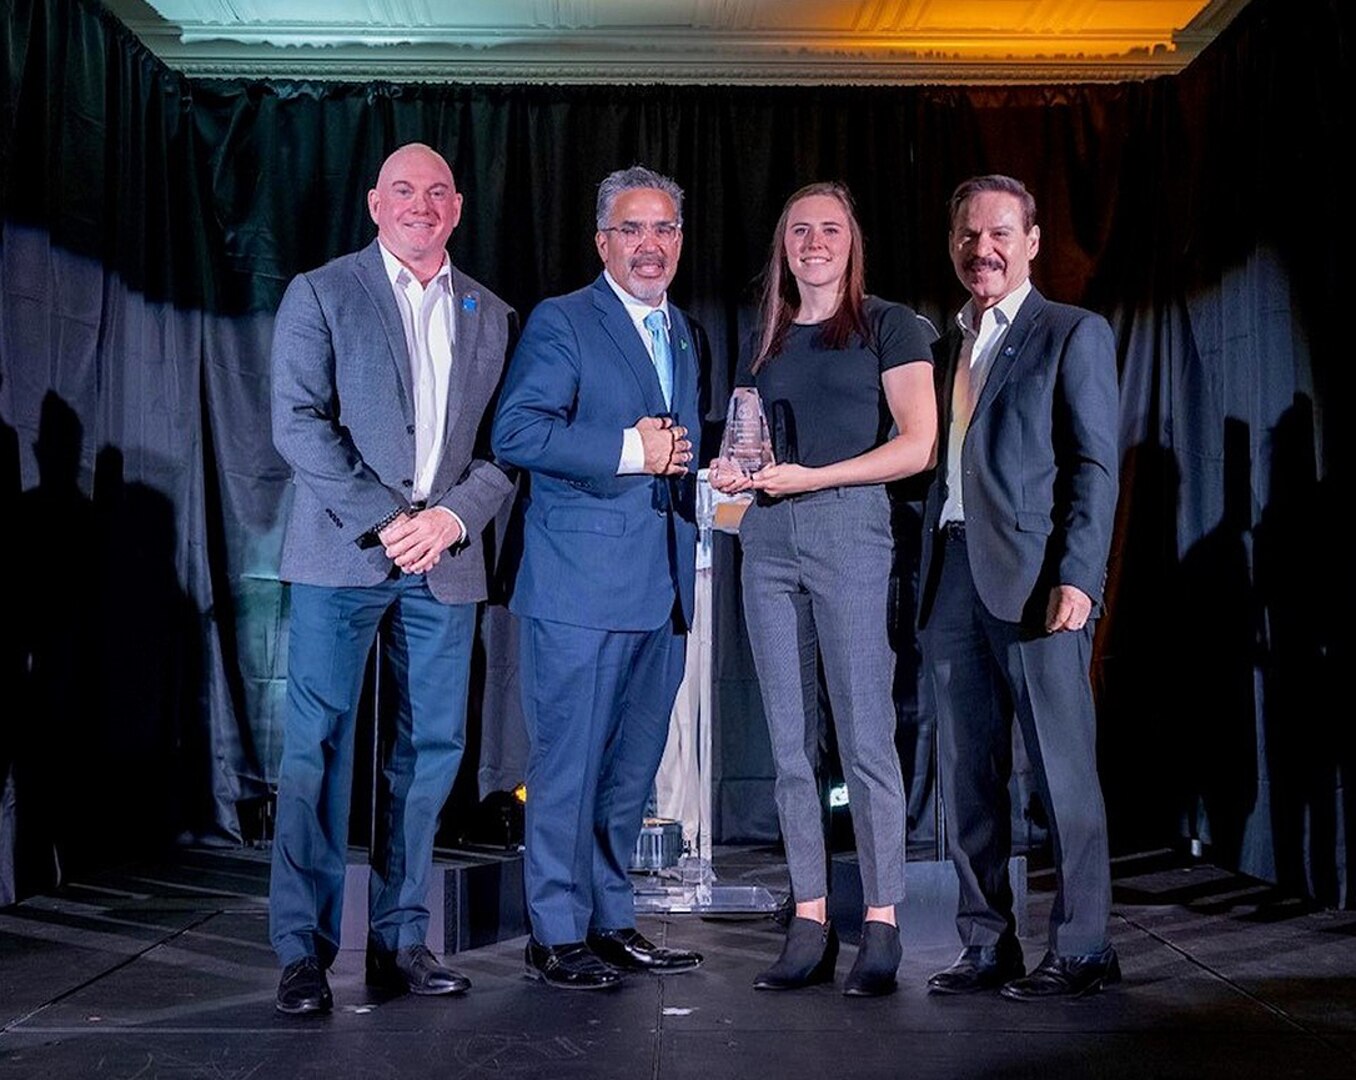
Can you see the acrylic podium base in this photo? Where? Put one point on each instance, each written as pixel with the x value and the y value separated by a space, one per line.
pixel 667 882
pixel 658 897
pixel 692 887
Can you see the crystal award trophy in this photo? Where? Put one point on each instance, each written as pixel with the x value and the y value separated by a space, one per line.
pixel 746 445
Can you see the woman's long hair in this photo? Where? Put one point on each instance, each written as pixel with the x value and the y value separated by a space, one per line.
pixel 780 298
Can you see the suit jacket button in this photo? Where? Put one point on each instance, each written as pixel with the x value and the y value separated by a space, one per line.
pixel 409 429
pixel 407 483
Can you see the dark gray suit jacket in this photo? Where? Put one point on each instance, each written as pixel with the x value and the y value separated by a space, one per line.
pixel 1040 461
pixel 343 419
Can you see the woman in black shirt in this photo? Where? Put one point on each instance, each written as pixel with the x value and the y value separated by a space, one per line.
pixel 850 375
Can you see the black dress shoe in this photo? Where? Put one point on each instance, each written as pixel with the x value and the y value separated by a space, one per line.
pixel 878 956
pixel 809 954
pixel 414 969
pixel 1066 977
pixel 629 950
pixel 570 967
pixel 980 967
pixel 303 988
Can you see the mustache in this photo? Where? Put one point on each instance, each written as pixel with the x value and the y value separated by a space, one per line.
pixel 983 262
pixel 649 259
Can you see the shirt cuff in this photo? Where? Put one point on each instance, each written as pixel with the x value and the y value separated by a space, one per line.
pixel 457 518
pixel 633 453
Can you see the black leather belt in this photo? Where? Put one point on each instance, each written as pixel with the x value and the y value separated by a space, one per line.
pixel 953 530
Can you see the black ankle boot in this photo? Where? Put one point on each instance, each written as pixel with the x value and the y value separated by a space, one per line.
pixel 808 956
pixel 878 959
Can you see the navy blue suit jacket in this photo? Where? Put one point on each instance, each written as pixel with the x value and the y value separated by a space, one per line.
pixel 1040 461
pixel 600 550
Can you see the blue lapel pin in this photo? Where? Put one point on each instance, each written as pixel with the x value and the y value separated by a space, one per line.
pixel 1007 350
pixel 682 344
pixel 470 302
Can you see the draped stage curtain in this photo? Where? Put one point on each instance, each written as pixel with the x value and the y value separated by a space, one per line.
pixel 149 223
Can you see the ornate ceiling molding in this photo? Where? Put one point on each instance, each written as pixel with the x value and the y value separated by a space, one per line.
pixel 732 42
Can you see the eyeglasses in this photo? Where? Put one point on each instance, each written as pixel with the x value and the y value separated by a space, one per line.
pixel 632 231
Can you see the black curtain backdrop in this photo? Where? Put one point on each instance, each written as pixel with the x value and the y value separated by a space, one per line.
pixel 150 223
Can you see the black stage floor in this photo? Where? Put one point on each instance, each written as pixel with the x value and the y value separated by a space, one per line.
pixel 165 972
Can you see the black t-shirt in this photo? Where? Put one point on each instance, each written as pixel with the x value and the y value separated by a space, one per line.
pixel 826 405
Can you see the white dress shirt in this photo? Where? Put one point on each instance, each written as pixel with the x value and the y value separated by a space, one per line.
pixel 633 450
pixel 427 312
pixel 979 346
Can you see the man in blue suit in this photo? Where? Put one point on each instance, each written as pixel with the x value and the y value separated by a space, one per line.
pixel 1017 529
pixel 597 405
pixel 384 365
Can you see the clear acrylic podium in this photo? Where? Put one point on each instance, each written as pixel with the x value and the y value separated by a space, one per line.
pixel 683 784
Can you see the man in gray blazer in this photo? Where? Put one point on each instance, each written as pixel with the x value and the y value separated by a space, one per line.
pixel 385 362
pixel 1017 528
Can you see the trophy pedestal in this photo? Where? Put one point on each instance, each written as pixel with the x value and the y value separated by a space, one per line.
pixel 692 888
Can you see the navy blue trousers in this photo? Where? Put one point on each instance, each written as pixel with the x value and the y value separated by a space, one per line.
pixel 428 656
pixel 597 706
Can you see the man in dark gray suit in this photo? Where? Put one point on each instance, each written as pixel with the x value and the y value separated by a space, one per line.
pixel 385 362
pixel 1016 534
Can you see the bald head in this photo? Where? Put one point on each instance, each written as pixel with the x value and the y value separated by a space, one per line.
pixel 416 206
pixel 412 154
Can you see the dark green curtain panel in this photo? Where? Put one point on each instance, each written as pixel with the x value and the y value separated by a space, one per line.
pixel 151 222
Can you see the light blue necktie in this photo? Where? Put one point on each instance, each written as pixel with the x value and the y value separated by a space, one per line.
pixel 663 358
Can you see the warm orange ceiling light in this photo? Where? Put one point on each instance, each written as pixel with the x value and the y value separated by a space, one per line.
pixel 1008 28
